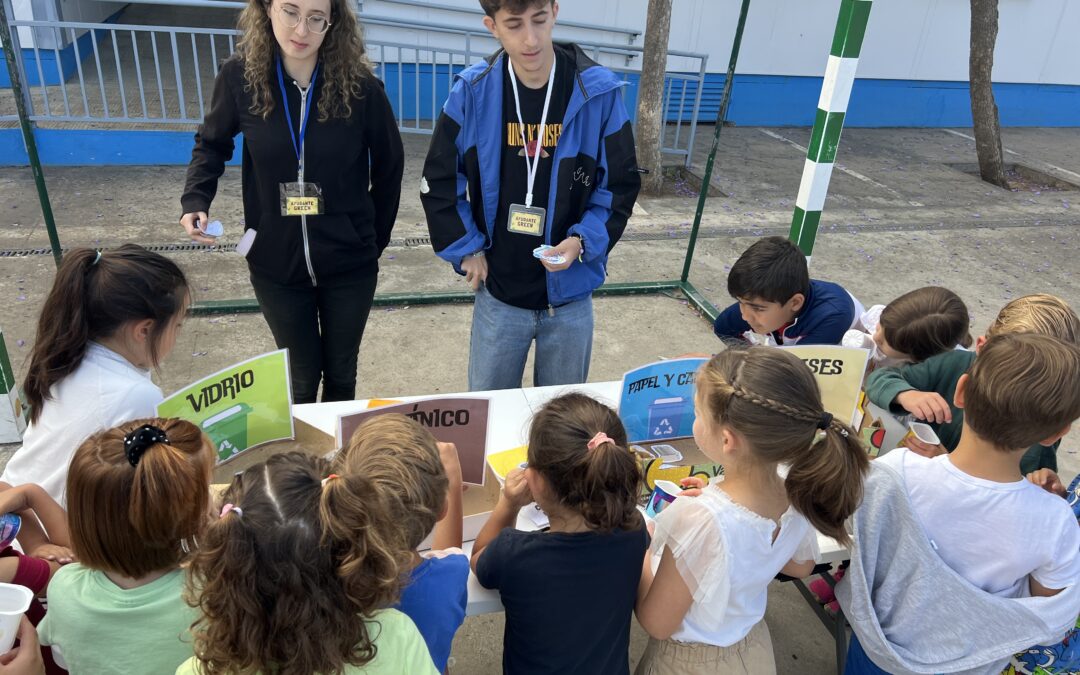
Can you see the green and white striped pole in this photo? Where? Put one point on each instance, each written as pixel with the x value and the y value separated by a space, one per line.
pixel 832 106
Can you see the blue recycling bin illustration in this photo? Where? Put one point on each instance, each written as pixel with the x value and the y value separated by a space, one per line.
pixel 666 415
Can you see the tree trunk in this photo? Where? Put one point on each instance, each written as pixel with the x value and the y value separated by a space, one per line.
pixel 984 111
pixel 650 103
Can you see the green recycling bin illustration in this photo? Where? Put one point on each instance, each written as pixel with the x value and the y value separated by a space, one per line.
pixel 228 430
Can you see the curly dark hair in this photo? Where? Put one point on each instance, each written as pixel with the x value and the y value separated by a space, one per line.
pixel 288 581
pixel 345 66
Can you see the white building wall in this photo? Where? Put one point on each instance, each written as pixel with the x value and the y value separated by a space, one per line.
pixel 83 11
pixel 906 39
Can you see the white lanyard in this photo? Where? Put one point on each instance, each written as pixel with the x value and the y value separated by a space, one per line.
pixel 531 167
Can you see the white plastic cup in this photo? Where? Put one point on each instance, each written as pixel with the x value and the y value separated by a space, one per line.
pixel 924 432
pixel 14 601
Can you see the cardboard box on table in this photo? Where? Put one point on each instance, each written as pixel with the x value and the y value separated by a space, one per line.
pixel 477 502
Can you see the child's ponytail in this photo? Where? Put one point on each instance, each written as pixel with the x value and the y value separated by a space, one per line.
pixel 92 296
pixel 138 496
pixel 63 329
pixel 825 483
pixel 358 525
pixel 579 445
pixel 170 495
pixel 771 398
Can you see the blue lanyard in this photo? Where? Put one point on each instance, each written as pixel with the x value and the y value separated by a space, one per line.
pixel 298 147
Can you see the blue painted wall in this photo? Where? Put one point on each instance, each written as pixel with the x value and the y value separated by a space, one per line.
pixel 78 147
pixel 768 100
pixel 778 101
pixel 53 72
pixel 757 100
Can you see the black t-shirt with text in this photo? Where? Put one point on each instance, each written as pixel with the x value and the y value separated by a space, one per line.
pixel 514 275
pixel 569 598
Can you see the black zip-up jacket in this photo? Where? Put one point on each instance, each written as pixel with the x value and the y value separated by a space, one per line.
pixel 360 200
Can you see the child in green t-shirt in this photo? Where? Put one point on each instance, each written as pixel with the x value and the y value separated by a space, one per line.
pixel 294 575
pixel 138 498
pixel 926 389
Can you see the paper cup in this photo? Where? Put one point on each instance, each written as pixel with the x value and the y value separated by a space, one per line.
pixel 663 494
pixel 923 432
pixel 10 524
pixel 14 601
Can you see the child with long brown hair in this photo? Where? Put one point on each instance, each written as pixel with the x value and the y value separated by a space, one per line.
pixel 109 318
pixel 569 591
pixel 422 479
pixel 138 501
pixel 294 577
pixel 703 588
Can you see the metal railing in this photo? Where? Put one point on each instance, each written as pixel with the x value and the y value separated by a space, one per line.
pixel 162 76
pixel 631 33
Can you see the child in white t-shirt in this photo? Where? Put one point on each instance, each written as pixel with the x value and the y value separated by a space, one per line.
pixel 703 589
pixel 109 318
pixel 974 505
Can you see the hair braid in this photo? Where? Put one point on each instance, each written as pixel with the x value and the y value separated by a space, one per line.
pixel 775 406
pixel 824 480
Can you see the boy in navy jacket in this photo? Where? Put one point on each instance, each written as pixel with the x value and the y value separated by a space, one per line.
pixel 778 302
pixel 533 148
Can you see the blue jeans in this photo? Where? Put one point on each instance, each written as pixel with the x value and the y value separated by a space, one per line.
pixel 857 662
pixel 502 335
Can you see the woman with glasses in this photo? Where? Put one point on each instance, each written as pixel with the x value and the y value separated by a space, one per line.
pixel 321 178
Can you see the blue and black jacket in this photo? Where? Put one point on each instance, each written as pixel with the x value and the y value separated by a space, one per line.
pixel 460 187
pixel 828 312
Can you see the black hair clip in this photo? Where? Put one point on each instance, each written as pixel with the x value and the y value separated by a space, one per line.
pixel 825 421
pixel 140 440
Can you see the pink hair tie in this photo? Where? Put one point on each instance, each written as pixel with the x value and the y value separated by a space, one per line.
pixel 599 438
pixel 231 507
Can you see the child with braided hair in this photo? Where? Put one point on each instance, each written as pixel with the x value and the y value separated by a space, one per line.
pixel 703 587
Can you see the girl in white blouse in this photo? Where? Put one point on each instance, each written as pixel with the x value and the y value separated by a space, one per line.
pixel 703 588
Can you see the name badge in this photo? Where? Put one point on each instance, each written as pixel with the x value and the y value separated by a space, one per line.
pixel 526 220
pixel 301 199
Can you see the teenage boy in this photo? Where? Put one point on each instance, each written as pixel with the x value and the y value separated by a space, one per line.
pixel 779 304
pixel 941 541
pixel 533 148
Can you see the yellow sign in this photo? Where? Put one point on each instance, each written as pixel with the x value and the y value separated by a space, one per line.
pixel 839 372
pixel 526 222
pixel 302 206
pixel 503 462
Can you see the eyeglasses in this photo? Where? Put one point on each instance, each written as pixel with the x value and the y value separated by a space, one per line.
pixel 316 23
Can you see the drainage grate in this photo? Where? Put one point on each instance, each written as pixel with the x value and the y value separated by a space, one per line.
pixel 708 232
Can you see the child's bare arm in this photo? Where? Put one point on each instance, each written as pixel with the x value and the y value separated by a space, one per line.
pixel 663 600
pixel 1040 591
pixel 515 494
pixel 32 503
pixel 800 569
pixel 448 531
